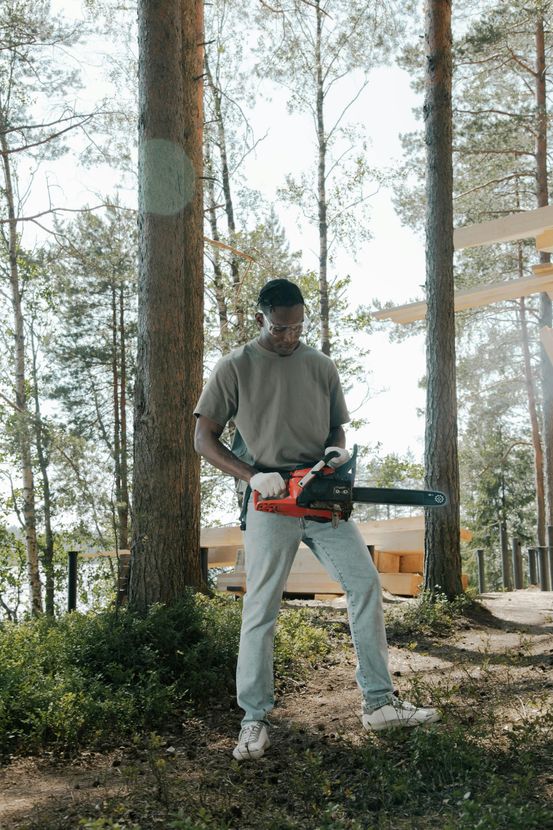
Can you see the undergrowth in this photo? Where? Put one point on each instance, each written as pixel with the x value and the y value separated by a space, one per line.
pixel 86 679
pixel 430 615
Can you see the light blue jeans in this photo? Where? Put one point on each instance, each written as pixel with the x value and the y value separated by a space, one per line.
pixel 271 543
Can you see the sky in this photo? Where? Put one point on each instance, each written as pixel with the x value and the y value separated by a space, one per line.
pixel 389 267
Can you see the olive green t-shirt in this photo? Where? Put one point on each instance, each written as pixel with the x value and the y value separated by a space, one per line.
pixel 283 407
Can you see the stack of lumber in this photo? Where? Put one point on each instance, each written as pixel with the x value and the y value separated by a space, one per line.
pixel 396 546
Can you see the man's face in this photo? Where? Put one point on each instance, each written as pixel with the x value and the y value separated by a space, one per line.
pixel 281 328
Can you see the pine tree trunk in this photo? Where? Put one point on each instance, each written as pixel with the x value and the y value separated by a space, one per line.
pixel 321 191
pixel 229 206
pixel 542 194
pixel 123 508
pixel 442 570
pixel 166 491
pixel 218 284
pixel 41 442
pixel 534 420
pixel 116 417
pixel 23 428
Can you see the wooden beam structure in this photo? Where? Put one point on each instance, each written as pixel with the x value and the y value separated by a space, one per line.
pixel 472 297
pixel 524 225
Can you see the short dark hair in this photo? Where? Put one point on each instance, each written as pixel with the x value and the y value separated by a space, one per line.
pixel 279 292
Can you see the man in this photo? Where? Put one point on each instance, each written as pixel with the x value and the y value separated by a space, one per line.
pixel 287 403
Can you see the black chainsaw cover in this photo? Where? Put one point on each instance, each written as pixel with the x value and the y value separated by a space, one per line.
pixel 329 489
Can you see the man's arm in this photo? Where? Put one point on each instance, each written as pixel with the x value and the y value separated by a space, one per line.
pixel 208 445
pixel 336 438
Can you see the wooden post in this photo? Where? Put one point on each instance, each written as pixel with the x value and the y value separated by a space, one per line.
pixel 542 559
pixel 517 565
pixel 532 570
pixel 505 560
pixel 72 580
pixel 481 571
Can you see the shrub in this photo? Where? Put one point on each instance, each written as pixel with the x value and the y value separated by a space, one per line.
pixel 91 678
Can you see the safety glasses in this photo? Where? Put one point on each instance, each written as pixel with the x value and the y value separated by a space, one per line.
pixel 275 329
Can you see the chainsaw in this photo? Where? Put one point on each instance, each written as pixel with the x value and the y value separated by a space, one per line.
pixel 325 493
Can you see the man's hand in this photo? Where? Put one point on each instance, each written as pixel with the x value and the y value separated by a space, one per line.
pixel 338 460
pixel 268 485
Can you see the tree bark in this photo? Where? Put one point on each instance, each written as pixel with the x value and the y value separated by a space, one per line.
pixel 442 570
pixel 116 416
pixel 166 510
pixel 123 508
pixel 534 422
pixel 23 427
pixel 41 443
pixel 321 190
pixel 542 194
pixel 218 282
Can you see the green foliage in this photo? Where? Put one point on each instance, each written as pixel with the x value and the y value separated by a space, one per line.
pixel 298 644
pixel 87 678
pixel 90 678
pixel 430 615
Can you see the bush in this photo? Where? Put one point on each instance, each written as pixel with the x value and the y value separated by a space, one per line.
pixel 430 615
pixel 91 678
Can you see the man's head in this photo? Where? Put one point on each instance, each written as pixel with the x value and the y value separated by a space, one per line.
pixel 281 316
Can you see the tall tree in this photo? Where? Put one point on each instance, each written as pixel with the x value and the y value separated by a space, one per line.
pixel 29 37
pixel 166 516
pixel 95 284
pixel 442 569
pixel 312 48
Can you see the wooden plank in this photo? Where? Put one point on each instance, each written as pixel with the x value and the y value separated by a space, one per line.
pixel 544 241
pixel 411 563
pixel 111 554
pixel 213 537
pixel 222 557
pixel 312 583
pixel 523 225
pixel 386 562
pixel 467 298
pixel 406 585
pixel 543 269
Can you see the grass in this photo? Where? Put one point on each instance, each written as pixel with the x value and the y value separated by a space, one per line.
pixel 486 766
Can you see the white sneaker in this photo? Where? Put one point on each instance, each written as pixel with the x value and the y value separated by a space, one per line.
pixel 398 713
pixel 252 741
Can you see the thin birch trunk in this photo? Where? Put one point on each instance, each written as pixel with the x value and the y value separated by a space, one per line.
pixel 218 283
pixel 123 508
pixel 43 464
pixel 23 427
pixel 229 206
pixel 116 418
pixel 321 191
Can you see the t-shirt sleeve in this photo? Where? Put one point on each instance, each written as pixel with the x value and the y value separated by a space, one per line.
pixel 219 399
pixel 338 410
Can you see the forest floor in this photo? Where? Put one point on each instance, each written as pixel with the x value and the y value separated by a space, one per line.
pixel 491 675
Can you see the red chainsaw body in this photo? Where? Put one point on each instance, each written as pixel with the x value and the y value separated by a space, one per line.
pixel 287 504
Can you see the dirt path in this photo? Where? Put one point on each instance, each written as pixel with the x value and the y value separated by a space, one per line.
pixel 510 639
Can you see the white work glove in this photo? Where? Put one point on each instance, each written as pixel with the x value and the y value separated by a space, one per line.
pixel 338 460
pixel 268 485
